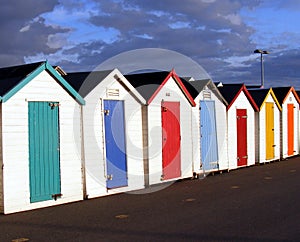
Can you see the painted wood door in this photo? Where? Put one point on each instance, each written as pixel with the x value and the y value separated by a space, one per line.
pixel 290 128
pixel 242 155
pixel 115 148
pixel 270 146
pixel 208 136
pixel 44 164
pixel 170 113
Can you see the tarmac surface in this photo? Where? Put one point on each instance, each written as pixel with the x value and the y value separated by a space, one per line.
pixel 259 203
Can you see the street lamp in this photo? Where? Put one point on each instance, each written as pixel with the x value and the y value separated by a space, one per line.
pixel 262 52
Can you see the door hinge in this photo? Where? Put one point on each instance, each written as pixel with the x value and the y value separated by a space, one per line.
pixel 109 177
pixel 55 196
pixel 106 112
pixel 53 105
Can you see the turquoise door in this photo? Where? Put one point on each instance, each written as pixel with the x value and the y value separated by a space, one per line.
pixel 208 138
pixel 44 165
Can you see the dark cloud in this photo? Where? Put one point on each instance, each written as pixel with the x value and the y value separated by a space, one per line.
pixel 23 31
pixel 210 32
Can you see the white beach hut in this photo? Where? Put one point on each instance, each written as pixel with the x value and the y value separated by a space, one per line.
pixel 113 140
pixel 209 126
pixel 240 124
pixel 267 125
pixel 40 151
pixel 166 125
pixel 289 101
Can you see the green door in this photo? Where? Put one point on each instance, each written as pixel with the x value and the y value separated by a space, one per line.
pixel 44 165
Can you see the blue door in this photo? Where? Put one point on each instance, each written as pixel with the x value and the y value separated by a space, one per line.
pixel 208 136
pixel 116 163
pixel 44 165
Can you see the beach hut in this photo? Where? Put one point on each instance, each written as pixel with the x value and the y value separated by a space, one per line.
pixel 40 151
pixel 209 126
pixel 298 93
pixel 240 124
pixel 113 139
pixel 267 125
pixel 166 125
pixel 289 101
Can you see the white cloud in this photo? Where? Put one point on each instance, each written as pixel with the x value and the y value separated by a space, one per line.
pixel 234 19
pixel 240 61
pixel 25 28
pixel 208 1
pixel 57 41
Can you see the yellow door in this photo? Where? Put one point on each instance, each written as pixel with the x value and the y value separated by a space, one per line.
pixel 270 151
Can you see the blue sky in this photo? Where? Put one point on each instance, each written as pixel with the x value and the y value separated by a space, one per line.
pixel 219 35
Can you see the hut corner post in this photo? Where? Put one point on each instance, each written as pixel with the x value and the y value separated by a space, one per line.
pixel 85 195
pixel 1 165
pixel 145 144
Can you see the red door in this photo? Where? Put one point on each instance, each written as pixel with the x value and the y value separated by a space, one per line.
pixel 241 117
pixel 170 113
pixel 290 127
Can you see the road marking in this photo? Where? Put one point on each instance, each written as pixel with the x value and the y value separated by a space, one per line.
pixel 122 216
pixel 234 187
pixel 292 170
pixel 190 200
pixel 268 178
pixel 20 240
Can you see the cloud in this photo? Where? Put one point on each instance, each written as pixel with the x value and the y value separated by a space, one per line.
pixel 219 35
pixel 24 30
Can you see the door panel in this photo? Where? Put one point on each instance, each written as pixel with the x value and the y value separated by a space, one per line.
pixel 242 155
pixel 44 165
pixel 208 138
pixel 170 112
pixel 116 162
pixel 290 128
pixel 270 146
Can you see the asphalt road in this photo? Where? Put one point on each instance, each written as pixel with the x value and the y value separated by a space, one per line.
pixel 260 203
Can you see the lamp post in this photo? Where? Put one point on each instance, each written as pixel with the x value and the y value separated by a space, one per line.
pixel 262 52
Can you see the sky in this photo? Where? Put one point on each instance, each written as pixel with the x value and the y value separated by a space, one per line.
pixel 219 35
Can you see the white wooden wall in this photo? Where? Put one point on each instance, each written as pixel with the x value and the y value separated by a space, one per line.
pixel 289 100
pixel 94 143
pixel 1 163
pixel 240 103
pixel 169 92
pixel 16 189
pixel 261 158
pixel 221 126
pixel 196 137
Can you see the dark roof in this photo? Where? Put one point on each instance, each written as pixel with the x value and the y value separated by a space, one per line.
pixel 195 87
pixel 85 82
pixel 253 86
pixel 12 76
pixel 229 91
pixel 147 83
pixel 281 93
pixel 259 95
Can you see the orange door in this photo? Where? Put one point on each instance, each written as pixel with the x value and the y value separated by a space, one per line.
pixel 290 128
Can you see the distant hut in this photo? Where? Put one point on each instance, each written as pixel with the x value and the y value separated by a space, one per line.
pixel 289 100
pixel 241 125
pixel 267 125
